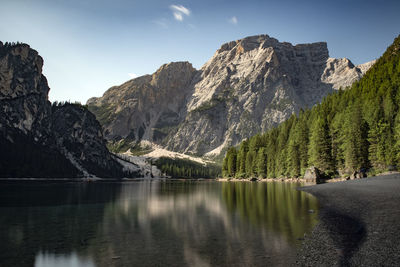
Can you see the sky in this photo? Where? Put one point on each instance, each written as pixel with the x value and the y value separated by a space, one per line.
pixel 89 46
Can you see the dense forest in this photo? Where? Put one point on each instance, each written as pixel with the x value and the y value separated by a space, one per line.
pixel 24 157
pixel 350 130
pixel 184 168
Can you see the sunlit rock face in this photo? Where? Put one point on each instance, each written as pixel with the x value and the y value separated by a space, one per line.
pixel 148 107
pixel 41 141
pixel 247 87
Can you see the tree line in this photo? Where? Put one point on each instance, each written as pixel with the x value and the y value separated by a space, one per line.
pixel 350 130
pixel 184 168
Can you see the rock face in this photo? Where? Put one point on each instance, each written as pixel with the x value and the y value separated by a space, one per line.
pixel 147 107
pixel 23 89
pixel 38 140
pixel 79 135
pixel 247 87
pixel 341 73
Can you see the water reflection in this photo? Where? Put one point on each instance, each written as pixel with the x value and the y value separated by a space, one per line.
pixel 71 260
pixel 277 206
pixel 157 223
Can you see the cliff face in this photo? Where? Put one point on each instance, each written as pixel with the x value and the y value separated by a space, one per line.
pixel 38 140
pixel 248 86
pixel 23 89
pixel 148 107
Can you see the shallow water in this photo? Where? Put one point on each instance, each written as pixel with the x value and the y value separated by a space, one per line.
pixel 152 223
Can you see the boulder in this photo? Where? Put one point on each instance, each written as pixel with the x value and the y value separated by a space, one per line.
pixel 313 174
pixel 358 174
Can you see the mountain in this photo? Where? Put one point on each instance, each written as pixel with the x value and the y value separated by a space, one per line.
pixel 38 139
pixel 349 133
pixel 248 86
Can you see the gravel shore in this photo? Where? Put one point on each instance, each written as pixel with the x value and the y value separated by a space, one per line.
pixel 359 224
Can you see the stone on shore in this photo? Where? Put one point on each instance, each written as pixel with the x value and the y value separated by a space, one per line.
pixel 312 174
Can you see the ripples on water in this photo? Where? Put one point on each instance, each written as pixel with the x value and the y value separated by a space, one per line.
pixel 173 223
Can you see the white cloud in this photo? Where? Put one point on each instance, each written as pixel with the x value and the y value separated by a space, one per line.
pixel 178 16
pixel 133 75
pixel 181 9
pixel 179 12
pixel 233 20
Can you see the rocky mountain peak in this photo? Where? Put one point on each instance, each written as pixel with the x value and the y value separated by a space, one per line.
pixel 23 88
pixel 246 87
pixel 42 140
pixel 173 74
pixel 248 43
pixel 341 72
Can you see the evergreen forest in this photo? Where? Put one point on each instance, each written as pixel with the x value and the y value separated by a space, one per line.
pixel 184 168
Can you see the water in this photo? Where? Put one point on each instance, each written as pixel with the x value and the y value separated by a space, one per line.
pixel 173 223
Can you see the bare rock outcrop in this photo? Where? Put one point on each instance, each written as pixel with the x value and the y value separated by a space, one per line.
pixel 41 140
pixel 148 107
pixel 247 87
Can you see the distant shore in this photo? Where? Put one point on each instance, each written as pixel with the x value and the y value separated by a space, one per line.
pixel 284 180
pixel 287 180
pixel 359 224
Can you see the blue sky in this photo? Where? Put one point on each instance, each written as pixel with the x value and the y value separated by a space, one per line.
pixel 89 46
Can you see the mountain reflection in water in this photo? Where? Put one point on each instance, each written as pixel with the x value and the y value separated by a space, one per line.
pixel 172 223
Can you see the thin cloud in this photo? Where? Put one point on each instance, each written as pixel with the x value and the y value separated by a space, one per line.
pixel 233 20
pixel 180 12
pixel 178 16
pixel 162 23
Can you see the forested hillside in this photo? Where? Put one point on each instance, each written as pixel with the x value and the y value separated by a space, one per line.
pixel 184 168
pixel 353 129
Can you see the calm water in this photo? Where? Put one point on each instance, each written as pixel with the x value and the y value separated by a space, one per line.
pixel 146 223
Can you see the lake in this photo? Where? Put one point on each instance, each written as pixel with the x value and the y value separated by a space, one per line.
pixel 152 223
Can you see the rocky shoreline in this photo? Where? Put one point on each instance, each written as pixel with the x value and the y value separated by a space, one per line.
pixel 358 224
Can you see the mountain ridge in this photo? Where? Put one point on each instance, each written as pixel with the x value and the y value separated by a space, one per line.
pixel 247 86
pixel 45 140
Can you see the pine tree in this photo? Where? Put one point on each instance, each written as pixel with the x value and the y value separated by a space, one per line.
pixel 320 148
pixel 355 140
pixel 231 162
pixel 262 163
pixel 241 159
pixel 250 163
pixel 397 139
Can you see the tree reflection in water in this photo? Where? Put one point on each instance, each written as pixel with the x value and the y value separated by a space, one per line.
pixel 155 223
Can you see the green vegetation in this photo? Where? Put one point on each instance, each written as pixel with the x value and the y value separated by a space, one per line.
pixel 184 168
pixel 104 113
pixel 351 130
pixel 208 105
pixel 120 146
pixel 24 157
pixel 57 104
pixel 139 150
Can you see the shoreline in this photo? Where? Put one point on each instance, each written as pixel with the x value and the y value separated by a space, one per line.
pixel 266 180
pixel 278 180
pixel 359 224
